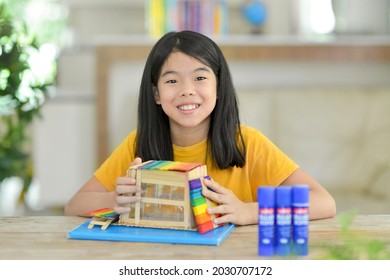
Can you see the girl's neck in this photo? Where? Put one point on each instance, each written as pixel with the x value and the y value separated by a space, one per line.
pixel 185 137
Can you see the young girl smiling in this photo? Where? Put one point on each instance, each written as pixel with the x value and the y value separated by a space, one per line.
pixel 188 112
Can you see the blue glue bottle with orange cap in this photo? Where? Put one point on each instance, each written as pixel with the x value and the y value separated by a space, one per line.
pixel 300 207
pixel 266 199
pixel 283 220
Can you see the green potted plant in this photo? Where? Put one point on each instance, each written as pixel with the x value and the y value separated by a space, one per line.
pixel 23 92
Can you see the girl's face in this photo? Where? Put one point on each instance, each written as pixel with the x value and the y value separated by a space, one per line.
pixel 187 92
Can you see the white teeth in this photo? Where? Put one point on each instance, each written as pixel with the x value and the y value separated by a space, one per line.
pixel 188 107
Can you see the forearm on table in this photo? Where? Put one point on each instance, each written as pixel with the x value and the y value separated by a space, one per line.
pixel 253 216
pixel 322 205
pixel 84 202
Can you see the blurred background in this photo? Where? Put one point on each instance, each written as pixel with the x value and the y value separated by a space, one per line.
pixel 312 75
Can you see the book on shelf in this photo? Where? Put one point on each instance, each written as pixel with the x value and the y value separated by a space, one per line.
pixel 209 17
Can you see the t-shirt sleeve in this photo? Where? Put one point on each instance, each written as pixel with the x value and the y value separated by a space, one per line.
pixel 117 163
pixel 269 166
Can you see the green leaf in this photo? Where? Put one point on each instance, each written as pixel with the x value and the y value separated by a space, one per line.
pixel 353 246
pixel 347 218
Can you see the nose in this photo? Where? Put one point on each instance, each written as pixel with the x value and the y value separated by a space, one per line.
pixel 186 93
pixel 187 89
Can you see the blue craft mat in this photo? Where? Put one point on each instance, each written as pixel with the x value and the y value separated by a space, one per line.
pixel 153 235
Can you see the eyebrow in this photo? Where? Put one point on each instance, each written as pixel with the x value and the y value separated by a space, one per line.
pixel 200 69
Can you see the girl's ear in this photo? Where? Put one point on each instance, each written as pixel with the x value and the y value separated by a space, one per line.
pixel 156 96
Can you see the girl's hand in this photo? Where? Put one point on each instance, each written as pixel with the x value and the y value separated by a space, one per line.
pixel 127 192
pixel 232 209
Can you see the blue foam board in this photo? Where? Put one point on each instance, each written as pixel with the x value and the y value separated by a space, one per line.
pixel 214 237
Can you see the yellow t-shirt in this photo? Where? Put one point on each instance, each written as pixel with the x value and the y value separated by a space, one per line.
pixel 266 164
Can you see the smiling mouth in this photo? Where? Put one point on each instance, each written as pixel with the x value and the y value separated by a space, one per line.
pixel 188 107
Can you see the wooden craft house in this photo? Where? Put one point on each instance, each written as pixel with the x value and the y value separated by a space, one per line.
pixel 171 197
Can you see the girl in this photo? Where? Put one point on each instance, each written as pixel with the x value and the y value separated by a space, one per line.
pixel 187 111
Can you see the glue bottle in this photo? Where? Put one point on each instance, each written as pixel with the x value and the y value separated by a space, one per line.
pixel 266 199
pixel 300 203
pixel 283 221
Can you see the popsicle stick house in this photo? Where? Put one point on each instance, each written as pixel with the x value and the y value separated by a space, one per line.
pixel 171 197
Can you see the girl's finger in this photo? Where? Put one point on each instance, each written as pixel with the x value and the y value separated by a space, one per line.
pixel 223 219
pixel 127 199
pixel 125 181
pixel 214 196
pixel 122 189
pixel 222 209
pixel 121 209
pixel 214 186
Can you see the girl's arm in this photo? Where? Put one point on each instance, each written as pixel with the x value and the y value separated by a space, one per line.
pixel 93 196
pixel 322 204
pixel 233 210
pixel 90 197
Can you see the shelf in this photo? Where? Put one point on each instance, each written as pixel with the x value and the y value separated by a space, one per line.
pixel 103 3
pixel 257 40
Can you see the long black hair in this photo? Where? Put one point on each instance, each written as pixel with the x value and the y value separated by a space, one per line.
pixel 225 141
